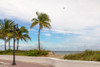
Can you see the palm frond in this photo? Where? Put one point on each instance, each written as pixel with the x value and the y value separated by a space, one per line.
pixel 43 17
pixel 47 25
pixel 23 30
pixel 34 19
pixel 27 36
pixel 37 13
pixel 24 39
pixel 2 37
pixel 33 24
pixel 43 20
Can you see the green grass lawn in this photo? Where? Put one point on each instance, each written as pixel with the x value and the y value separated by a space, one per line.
pixel 87 55
pixel 34 52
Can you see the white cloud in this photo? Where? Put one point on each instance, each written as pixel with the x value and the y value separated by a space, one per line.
pixel 79 16
pixel 47 34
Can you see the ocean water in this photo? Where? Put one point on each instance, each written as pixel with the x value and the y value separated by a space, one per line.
pixel 66 52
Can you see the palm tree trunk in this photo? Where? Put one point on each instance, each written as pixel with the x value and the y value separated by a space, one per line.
pixel 17 44
pixel 9 44
pixel 39 40
pixel 5 44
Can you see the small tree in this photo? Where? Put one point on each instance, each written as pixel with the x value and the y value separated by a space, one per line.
pixel 22 35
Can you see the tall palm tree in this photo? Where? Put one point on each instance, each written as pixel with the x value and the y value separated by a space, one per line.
pixel 9 44
pixel 22 35
pixel 1 35
pixel 43 21
pixel 5 26
pixel 10 36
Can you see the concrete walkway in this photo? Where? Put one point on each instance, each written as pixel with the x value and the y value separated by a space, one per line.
pixel 26 61
pixel 20 62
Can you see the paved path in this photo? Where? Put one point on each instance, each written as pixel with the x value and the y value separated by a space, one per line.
pixel 26 61
pixel 20 63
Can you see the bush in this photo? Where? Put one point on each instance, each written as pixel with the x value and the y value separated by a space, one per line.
pixel 34 52
pixel 2 52
pixel 74 57
pixel 86 55
pixel 9 50
pixel 88 52
pixel 44 53
pixel 98 58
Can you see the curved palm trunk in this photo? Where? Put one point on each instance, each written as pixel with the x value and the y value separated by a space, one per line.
pixel 39 40
pixel 5 44
pixel 17 44
pixel 9 44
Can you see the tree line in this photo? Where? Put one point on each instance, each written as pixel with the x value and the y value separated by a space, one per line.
pixel 5 26
pixel 42 20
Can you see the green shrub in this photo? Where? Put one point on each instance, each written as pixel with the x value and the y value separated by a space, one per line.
pixel 86 55
pixel 9 50
pixel 44 53
pixel 2 52
pixel 34 52
pixel 98 58
pixel 70 57
pixel 65 57
pixel 88 52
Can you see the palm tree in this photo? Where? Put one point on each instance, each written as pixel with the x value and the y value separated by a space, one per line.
pixel 22 35
pixel 10 36
pixel 43 21
pixel 5 26
pixel 1 35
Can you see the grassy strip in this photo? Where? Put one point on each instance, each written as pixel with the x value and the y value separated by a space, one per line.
pixel 87 55
pixel 34 52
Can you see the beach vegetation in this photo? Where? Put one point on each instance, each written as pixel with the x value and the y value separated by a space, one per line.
pixel 34 52
pixel 87 55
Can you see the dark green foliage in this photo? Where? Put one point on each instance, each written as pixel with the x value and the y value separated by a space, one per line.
pixel 33 52
pixel 2 52
pixel 97 58
pixel 9 50
pixel 44 53
pixel 86 55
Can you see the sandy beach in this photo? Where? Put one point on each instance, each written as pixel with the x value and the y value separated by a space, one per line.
pixel 56 56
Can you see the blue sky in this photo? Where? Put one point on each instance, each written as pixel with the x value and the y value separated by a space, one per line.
pixel 75 23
